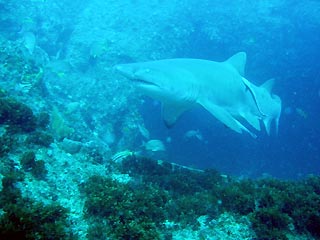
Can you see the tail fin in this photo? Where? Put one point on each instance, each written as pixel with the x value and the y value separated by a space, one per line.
pixel 273 113
pixel 268 104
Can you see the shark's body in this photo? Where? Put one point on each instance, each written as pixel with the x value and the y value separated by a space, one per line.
pixel 220 87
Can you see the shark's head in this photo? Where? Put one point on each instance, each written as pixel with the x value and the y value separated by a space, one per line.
pixel 155 80
pixel 144 77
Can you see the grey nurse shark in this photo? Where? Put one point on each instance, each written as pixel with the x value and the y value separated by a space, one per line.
pixel 220 87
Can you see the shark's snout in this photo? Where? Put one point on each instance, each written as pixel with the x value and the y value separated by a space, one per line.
pixel 141 76
pixel 124 70
pixel 135 74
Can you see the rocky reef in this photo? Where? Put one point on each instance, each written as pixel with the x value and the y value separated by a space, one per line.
pixel 48 193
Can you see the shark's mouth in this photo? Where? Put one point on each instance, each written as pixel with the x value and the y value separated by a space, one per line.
pixel 143 82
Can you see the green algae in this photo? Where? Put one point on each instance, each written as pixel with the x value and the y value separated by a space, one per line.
pixel 131 212
pixel 30 164
pixel 18 116
pixel 275 207
pixel 24 218
pixel 59 126
pixel 6 144
pixel 18 69
pixel 40 138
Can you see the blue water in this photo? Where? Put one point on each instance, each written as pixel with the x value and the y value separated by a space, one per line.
pixel 281 39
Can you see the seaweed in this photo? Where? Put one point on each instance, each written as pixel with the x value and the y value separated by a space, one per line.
pixel 271 204
pixel 161 191
pixel 18 116
pixel 29 164
pixel 269 223
pixel 313 224
pixel 59 125
pixel 131 212
pixel 239 197
pixel 40 138
pixel 24 218
pixel 43 120
pixel 6 144
pixel 28 160
pixel 171 177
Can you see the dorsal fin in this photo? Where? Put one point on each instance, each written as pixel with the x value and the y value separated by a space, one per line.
pixel 238 61
pixel 268 85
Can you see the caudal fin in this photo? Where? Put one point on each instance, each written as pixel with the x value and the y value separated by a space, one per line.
pixel 274 112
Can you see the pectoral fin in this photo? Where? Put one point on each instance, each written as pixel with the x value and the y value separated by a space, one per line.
pixel 253 120
pixel 171 112
pixel 226 118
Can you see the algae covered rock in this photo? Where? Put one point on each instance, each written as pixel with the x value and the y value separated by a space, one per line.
pixel 40 138
pixel 59 126
pixel 6 144
pixel 23 218
pixel 71 146
pixel 30 164
pixel 131 212
pixel 18 116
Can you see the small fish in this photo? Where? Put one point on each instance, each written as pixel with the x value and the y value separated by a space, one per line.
pixel 119 156
pixel 98 49
pixel 28 81
pixel 24 86
pixel 301 113
pixel 194 134
pixel 155 145
pixel 144 132
pixel 59 68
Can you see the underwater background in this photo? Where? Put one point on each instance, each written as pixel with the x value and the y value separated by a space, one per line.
pixel 67 119
pixel 77 43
